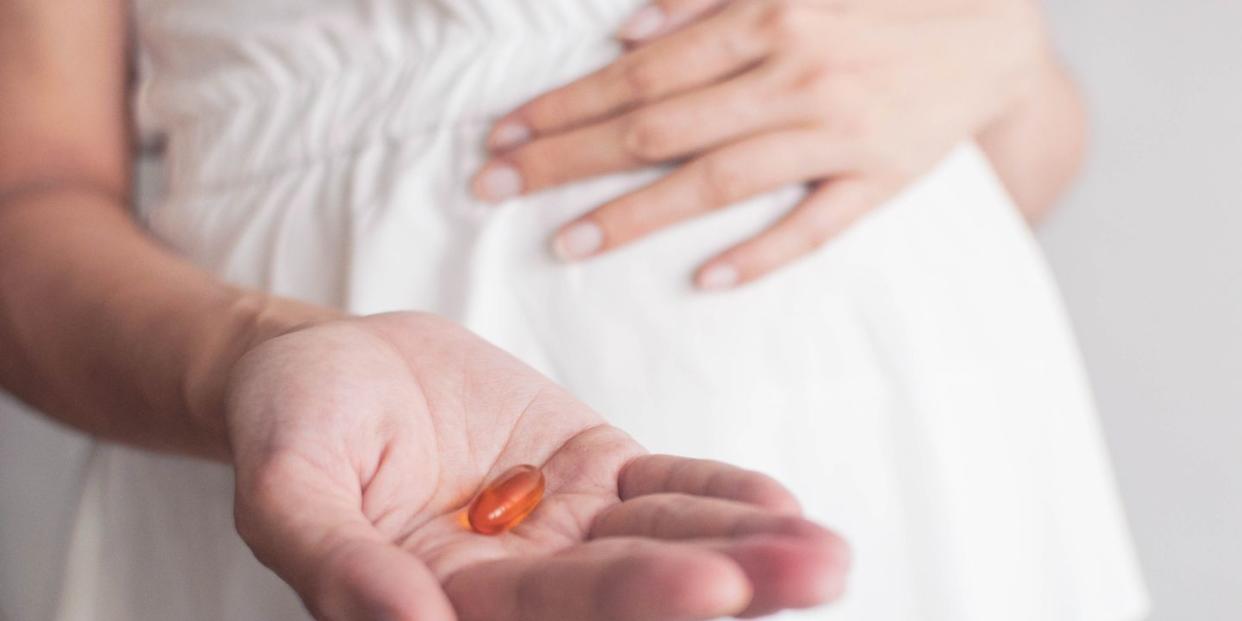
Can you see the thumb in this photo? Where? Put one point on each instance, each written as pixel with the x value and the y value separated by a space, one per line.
pixel 313 534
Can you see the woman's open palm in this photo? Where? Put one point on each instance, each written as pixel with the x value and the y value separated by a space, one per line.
pixel 358 444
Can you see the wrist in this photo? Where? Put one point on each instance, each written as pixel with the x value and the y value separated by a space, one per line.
pixel 1038 146
pixel 241 321
pixel 1021 57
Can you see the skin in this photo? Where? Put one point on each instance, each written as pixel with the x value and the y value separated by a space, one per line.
pixel 434 413
pixel 854 98
pixel 356 441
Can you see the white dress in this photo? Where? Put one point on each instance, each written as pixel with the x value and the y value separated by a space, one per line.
pixel 915 382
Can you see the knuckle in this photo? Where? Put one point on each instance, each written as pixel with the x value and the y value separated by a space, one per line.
pixel 646 139
pixel 852 128
pixel 537 164
pixel 732 48
pixel 820 224
pixel 827 87
pixel 546 111
pixel 723 182
pixel 780 20
pixel 642 79
pixel 820 81
pixel 840 106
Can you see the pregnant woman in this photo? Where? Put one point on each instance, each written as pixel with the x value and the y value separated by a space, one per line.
pixel 782 234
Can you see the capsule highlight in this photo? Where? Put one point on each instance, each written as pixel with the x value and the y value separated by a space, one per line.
pixel 505 502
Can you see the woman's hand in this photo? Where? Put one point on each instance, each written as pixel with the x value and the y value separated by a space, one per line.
pixel 856 98
pixel 358 442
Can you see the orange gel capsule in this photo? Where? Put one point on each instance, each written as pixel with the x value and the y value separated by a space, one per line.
pixel 507 501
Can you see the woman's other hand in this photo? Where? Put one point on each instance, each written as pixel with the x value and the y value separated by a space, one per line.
pixel 856 98
pixel 358 442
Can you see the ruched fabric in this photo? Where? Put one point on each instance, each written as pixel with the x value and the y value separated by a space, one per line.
pixel 915 381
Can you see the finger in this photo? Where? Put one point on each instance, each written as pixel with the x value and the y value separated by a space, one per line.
pixel 663 16
pixel 699 54
pixel 616 580
pixel 657 133
pixel 710 116
pixel 312 533
pixel 556 160
pixel 684 516
pixel 663 474
pixel 824 214
pixel 784 572
pixel 788 572
pixel 806 565
pixel 791 562
pixel 719 178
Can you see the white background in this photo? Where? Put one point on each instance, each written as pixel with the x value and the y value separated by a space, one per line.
pixel 1148 251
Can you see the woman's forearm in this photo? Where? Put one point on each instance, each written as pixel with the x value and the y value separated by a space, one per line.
pixel 99 326
pixel 1037 148
pixel 106 331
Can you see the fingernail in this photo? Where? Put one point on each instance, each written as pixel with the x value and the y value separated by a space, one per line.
pixel 646 22
pixel 509 134
pixel 579 241
pixel 499 182
pixel 717 277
